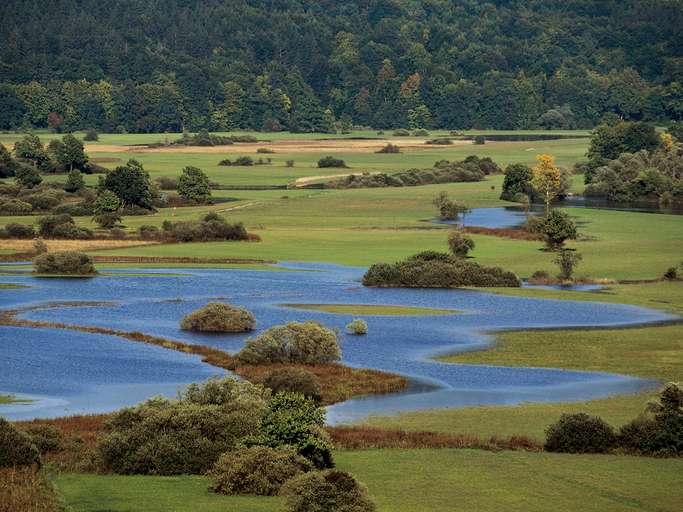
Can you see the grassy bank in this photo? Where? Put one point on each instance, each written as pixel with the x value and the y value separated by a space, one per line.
pixel 435 480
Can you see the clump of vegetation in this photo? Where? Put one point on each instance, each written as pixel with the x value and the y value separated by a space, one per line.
pixel 441 141
pixel 330 490
pixel 401 132
pixel 294 380
pixel 567 261
pixel 659 430
pixel 211 227
pixel 62 226
pixel 16 446
pixel 357 326
pixel 330 161
pixel 202 138
pixel 295 342
pixel 186 435
pixel 167 183
pixel 294 420
pixel 107 209
pixel 459 243
pixel 244 161
pixel 91 135
pixel 420 132
pixel 64 262
pixel 16 230
pixel 611 140
pixel 258 470
pixel 557 227
pixel 517 181
pixel 45 437
pixel 437 270
pixel 389 148
pixel 479 140
pixel 193 185
pixel 131 184
pixel 448 208
pixel 671 273
pixel 265 150
pixel 580 433
pixel 218 317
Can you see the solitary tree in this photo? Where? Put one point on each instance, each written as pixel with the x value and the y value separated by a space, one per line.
pixel 193 185
pixel 557 227
pixel 547 179
pixel 131 184
pixel 30 148
pixel 567 261
pixel 72 154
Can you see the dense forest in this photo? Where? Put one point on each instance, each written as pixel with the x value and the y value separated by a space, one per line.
pixel 309 65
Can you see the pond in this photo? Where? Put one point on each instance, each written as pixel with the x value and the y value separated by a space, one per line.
pixel 69 372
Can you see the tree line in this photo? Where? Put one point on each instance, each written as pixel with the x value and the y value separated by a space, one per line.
pixel 319 65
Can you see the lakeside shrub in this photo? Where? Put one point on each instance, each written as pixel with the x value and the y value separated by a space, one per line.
pixel 186 435
pixel 517 181
pixel 259 470
pixel 389 148
pixel 294 380
pixel 294 420
pixel 295 342
pixel 437 270
pixel 329 161
pixel 16 446
pixel 479 140
pixel 357 326
pixel 46 438
pixel 459 243
pixel 567 261
pixel 211 227
pixel 331 490
pixel 580 433
pixel 16 230
pixel 218 317
pixel 64 262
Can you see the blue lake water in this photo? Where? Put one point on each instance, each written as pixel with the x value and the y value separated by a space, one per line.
pixel 69 372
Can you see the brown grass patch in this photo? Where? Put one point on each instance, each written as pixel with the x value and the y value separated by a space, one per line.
pixel 26 246
pixel 355 438
pixel 26 489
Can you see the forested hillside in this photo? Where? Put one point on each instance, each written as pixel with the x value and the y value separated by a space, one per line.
pixel 155 65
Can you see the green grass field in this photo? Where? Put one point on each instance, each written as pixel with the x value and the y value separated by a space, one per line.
pixel 413 480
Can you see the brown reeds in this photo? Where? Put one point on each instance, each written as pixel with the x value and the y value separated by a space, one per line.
pixel 26 489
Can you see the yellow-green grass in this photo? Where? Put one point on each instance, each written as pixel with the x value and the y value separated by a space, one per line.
pixel 442 480
pixel 651 352
pixel 11 286
pixel 373 309
pixel 11 399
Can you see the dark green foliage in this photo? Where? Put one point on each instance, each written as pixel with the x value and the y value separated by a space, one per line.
pixel 294 380
pixel 660 430
pixel 193 185
pixel 74 181
pixel 329 161
pixel 211 228
pixel 330 491
pixel 580 433
pixel 64 262
pixel 15 207
pixel 401 132
pixel 16 447
pixel 27 176
pixel 203 138
pixel 45 437
pixel 557 227
pixel 72 155
pixel 30 149
pixel 107 220
pixel 167 183
pixel 295 342
pixel 517 181
pixel 676 131
pixel 610 141
pixel 389 148
pixel 130 183
pixel 479 140
pixel 8 165
pixel 61 226
pixel 459 243
pixel 218 317
pixel 670 274
pixel 258 470
pixel 244 161
pixel 442 141
pixel 437 270
pixel 15 230
pixel 75 210
pixel 91 135
pixel 186 435
pixel 296 421
pixel 43 199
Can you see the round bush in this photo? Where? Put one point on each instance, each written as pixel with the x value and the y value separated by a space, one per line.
pixel 358 326
pixel 331 491
pixel 16 447
pixel 45 437
pixel 64 262
pixel 257 470
pixel 294 380
pixel 296 342
pixel 580 433
pixel 459 243
pixel 219 317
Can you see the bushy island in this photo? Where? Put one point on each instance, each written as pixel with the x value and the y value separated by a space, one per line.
pixel 64 263
pixel 431 269
pixel 218 317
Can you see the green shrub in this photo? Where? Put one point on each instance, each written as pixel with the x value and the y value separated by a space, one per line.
pixel 186 435
pixel 167 183
pixel 240 160
pixel 567 261
pixel 296 421
pixel 294 380
pixel 45 437
pixel 210 228
pixel 357 326
pixel 91 135
pixel 75 210
pixel 61 226
pixel 329 161
pixel 425 270
pixel 44 200
pixel 441 141
pixel 479 140
pixel 15 207
pixel 259 470
pixel 401 132
pixel 517 181
pixel 148 232
pixel 580 433
pixel 329 491
pixel 64 262
pixel 557 227
pixel 295 342
pixel 389 148
pixel 218 317
pixel 671 273
pixel 16 230
pixel 16 447
pixel 420 132
pixel 459 243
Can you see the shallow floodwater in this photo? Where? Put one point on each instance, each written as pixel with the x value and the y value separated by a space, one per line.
pixel 70 372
